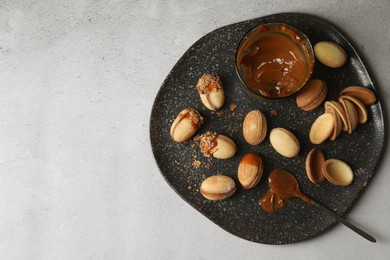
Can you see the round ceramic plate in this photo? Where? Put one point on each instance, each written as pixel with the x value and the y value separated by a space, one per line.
pixel 241 214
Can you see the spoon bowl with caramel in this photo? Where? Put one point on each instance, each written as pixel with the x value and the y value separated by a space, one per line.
pixel 283 186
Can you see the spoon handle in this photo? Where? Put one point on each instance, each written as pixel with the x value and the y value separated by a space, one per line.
pixel 345 222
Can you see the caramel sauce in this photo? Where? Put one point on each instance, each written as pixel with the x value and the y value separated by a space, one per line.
pixel 274 61
pixel 194 123
pixel 251 159
pixel 212 86
pixel 282 186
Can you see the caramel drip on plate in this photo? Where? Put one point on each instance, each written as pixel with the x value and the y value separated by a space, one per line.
pixel 282 186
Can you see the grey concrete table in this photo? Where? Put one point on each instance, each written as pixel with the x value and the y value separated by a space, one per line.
pixel 77 175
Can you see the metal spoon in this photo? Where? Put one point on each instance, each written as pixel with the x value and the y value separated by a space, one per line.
pixel 286 186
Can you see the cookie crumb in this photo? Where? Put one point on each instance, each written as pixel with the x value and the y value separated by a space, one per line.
pixel 189 187
pixel 274 112
pixel 196 164
pixel 220 113
pixel 196 138
pixel 207 166
pixel 232 107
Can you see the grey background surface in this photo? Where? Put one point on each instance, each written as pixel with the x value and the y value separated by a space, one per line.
pixel 77 175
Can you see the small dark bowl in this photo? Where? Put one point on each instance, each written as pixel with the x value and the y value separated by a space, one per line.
pixel 298 39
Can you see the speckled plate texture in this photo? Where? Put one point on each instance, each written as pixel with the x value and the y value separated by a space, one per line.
pixel 241 214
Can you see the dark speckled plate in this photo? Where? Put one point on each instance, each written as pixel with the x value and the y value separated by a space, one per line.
pixel 241 214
